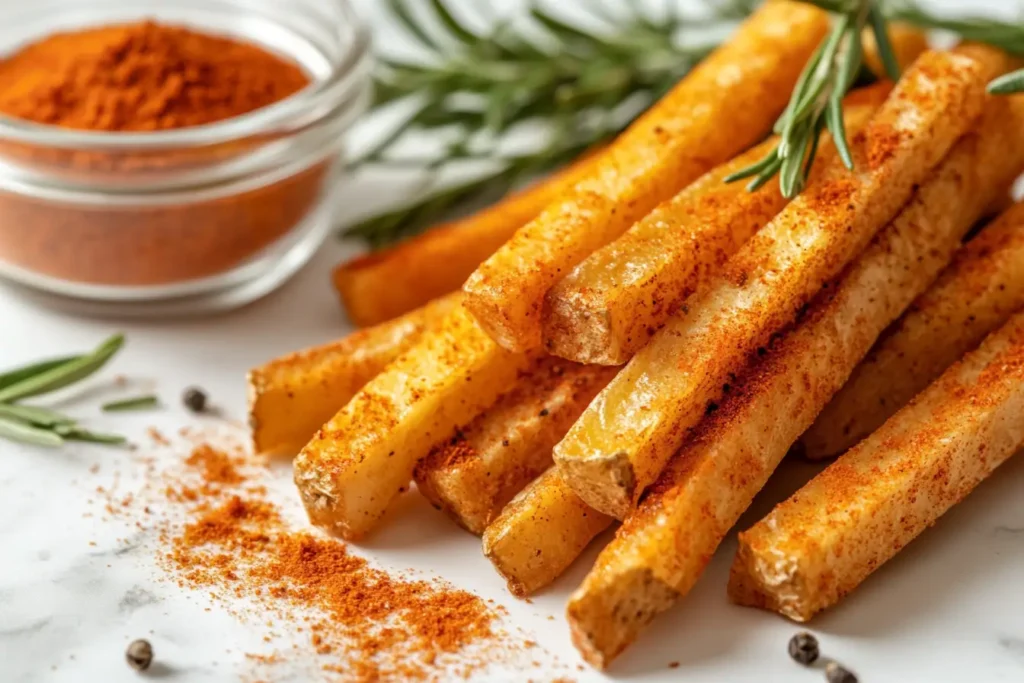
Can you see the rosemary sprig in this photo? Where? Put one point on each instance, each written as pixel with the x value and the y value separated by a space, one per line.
pixel 583 83
pixel 136 403
pixel 42 426
pixel 1009 84
pixel 64 374
pixel 479 85
pixel 817 100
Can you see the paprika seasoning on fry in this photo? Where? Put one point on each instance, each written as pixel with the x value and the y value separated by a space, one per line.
pixel 141 211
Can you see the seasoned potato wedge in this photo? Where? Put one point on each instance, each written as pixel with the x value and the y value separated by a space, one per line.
pixel 974 296
pixel 819 545
pixel 662 548
pixel 723 106
pixel 384 284
pixel 360 460
pixel 611 304
pixel 623 440
pixel 540 533
pixel 473 476
pixel 293 396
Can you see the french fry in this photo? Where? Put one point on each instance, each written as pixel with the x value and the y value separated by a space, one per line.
pixel 722 107
pixel 820 544
pixel 609 306
pixel 384 284
pixel 540 533
pixel 360 460
pixel 973 297
pixel 623 440
pixel 662 549
pixel 291 397
pixel 473 476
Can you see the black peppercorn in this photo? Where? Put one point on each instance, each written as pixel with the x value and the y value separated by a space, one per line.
pixel 835 673
pixel 139 655
pixel 803 648
pixel 195 399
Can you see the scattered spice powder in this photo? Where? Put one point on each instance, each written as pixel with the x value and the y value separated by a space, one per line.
pixel 366 623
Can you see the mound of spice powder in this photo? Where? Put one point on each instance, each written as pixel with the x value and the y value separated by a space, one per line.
pixel 139 78
pixel 365 623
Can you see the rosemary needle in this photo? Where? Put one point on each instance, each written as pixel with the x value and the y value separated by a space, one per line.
pixel 64 374
pixel 26 433
pixel 34 415
pixel 78 434
pixel 1009 84
pixel 136 403
pixel 18 374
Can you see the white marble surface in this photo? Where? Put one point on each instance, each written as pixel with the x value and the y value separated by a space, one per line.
pixel 72 595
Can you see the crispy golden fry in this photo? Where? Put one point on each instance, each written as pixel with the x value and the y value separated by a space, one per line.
pixel 623 440
pixel 611 304
pixel 365 455
pixel 540 533
pixel 663 547
pixel 472 477
pixel 387 283
pixel 973 297
pixel 722 107
pixel 293 396
pixel 818 546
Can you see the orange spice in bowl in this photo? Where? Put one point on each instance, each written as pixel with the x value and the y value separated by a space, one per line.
pixel 146 160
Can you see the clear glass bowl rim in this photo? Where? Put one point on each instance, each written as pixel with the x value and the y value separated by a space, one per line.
pixel 293 113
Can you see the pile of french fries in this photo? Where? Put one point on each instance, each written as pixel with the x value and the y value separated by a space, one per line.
pixel 640 342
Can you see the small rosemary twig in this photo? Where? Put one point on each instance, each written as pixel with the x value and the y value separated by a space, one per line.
pixel 817 100
pixel 570 79
pixel 136 403
pixel 42 426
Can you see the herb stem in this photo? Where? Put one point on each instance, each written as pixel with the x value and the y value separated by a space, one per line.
pixel 26 433
pixel 64 374
pixel 136 403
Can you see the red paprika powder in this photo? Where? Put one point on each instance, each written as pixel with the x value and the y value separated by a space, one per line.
pixel 136 79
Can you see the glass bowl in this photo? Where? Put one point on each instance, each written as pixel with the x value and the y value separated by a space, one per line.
pixel 188 220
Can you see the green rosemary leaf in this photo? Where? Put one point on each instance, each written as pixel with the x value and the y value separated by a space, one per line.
pixel 15 430
pixel 457 29
pixel 801 86
pixel 87 436
pixel 34 415
pixel 1008 84
pixel 19 374
pixel 565 32
pixel 401 12
pixel 754 169
pixel 850 67
pixel 767 174
pixel 834 121
pixel 885 51
pixel 136 403
pixel 790 181
pixel 63 375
